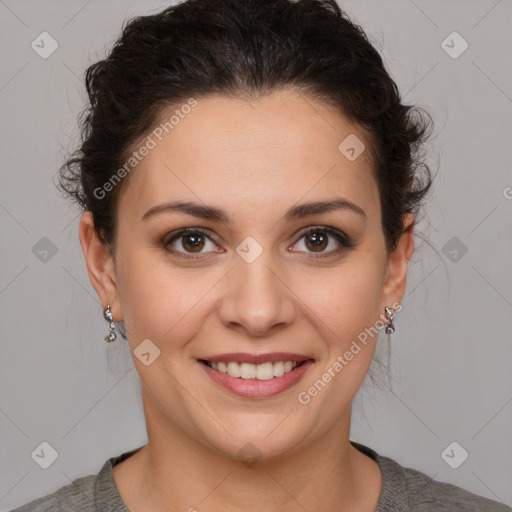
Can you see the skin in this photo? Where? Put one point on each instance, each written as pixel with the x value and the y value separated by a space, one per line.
pixel 255 160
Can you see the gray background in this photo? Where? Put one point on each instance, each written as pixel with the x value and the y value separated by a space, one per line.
pixel 452 352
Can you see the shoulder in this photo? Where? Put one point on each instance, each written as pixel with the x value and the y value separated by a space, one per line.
pixel 93 493
pixel 405 489
pixel 79 495
pixel 426 493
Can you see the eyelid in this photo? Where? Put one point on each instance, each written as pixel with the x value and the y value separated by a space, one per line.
pixel 179 233
pixel 174 235
pixel 327 229
pixel 343 239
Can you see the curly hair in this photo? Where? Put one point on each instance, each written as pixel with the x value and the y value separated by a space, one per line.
pixel 244 49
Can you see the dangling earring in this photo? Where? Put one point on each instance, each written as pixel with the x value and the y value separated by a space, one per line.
pixel 390 315
pixel 111 336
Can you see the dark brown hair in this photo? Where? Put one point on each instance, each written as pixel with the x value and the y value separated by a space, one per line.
pixel 246 49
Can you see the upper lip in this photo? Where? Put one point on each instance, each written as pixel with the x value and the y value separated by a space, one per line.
pixel 244 357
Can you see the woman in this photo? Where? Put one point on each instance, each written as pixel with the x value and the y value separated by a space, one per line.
pixel 250 182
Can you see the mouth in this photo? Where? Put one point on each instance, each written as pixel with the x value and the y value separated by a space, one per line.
pixel 268 376
pixel 263 371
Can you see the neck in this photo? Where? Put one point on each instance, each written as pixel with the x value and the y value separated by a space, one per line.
pixel 175 471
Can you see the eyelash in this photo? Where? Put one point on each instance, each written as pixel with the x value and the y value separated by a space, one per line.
pixel 344 240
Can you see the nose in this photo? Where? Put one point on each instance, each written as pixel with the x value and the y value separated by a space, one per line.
pixel 256 298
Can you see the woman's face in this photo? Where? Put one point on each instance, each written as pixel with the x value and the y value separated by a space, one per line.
pixel 251 281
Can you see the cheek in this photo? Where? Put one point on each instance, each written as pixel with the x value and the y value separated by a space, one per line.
pixel 159 301
pixel 344 308
pixel 346 299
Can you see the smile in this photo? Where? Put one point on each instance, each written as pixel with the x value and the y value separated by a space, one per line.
pixel 256 380
pixel 265 371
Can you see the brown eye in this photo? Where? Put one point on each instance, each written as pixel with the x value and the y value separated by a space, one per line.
pixel 189 241
pixel 192 243
pixel 318 239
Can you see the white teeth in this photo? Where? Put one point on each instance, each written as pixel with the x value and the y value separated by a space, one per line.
pixel 234 369
pixel 265 371
pixel 278 369
pixel 247 371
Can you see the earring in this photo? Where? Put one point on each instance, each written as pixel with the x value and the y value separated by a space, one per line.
pixel 111 336
pixel 390 315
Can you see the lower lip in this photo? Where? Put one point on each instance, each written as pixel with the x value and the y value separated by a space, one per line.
pixel 254 388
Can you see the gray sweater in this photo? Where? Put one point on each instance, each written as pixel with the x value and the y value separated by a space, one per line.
pixel 403 489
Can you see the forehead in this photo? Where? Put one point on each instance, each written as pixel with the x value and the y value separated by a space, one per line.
pixel 254 154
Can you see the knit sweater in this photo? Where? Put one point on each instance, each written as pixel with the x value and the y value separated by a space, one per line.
pixel 403 489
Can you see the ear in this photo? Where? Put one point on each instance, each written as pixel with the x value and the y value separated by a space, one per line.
pixel 100 265
pixel 396 275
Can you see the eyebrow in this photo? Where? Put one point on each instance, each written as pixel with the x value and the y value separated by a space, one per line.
pixel 216 214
